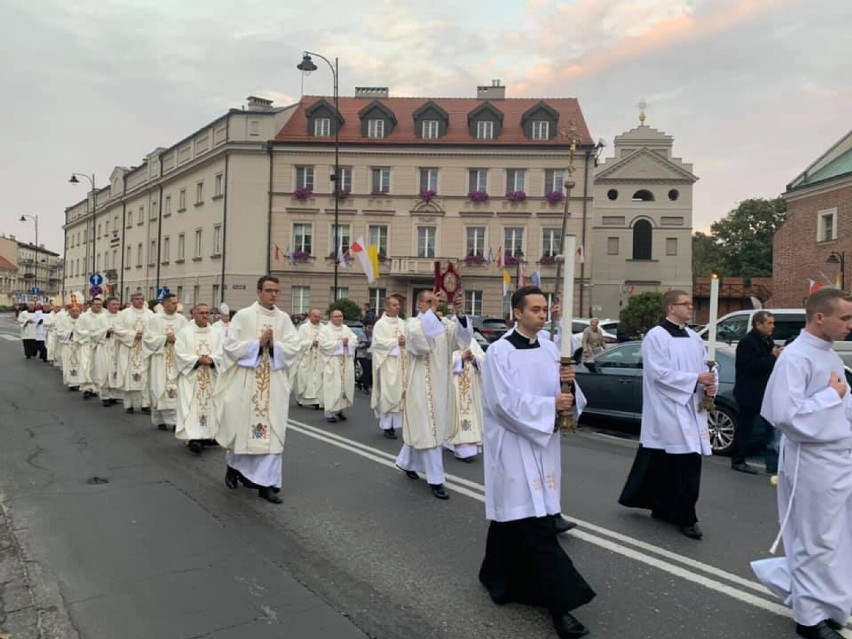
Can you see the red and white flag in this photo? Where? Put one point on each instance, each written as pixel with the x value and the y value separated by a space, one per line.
pixel 581 255
pixel 813 286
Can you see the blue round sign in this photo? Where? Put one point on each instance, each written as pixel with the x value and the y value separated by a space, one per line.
pixel 96 279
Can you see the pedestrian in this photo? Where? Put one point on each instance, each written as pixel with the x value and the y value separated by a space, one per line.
pixel 666 473
pixel 132 369
pixel 369 316
pixel 253 393
pixel 159 345
pixel 364 355
pixel 28 330
pixel 756 356
pixel 808 400
pixel 224 322
pixel 593 340
pixel 389 365
pixel 337 345
pixel 523 561
pixel 465 436
pixel 308 373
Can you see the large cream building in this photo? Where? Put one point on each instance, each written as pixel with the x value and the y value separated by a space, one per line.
pixel 27 272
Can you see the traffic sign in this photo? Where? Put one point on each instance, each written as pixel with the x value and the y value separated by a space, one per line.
pixel 94 291
pixel 35 290
pixel 162 292
pixel 96 279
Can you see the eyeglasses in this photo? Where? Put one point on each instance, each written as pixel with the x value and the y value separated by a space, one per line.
pixel 274 291
pixel 682 304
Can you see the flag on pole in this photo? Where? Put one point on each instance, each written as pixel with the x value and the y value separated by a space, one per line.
pixel 813 286
pixel 507 282
pixel 581 256
pixel 290 255
pixel 490 257
pixel 522 277
pixel 277 253
pixel 341 255
pixel 500 257
pixel 536 279
pixel 359 250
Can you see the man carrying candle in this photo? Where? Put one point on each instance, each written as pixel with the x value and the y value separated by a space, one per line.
pixel 666 474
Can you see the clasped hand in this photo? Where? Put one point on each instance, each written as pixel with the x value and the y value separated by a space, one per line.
pixel 838 384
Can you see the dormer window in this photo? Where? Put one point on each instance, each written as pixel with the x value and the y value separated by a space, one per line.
pixel 322 127
pixel 485 122
pixel 429 129
pixel 431 121
pixel 540 130
pixel 321 119
pixel 485 130
pixel 377 121
pixel 540 122
pixel 375 128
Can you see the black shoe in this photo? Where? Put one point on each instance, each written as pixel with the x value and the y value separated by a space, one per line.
pixel 562 525
pixel 341 416
pixel 163 426
pixel 129 411
pixel 113 402
pixel 232 476
pixel 390 433
pixel 409 473
pixel 820 631
pixel 105 403
pixel 466 460
pixel 744 468
pixel 147 411
pixel 270 495
pixel 693 531
pixel 73 389
pixel 439 491
pixel 834 625
pixel 88 394
pixel 331 420
pixel 567 626
pixel 195 446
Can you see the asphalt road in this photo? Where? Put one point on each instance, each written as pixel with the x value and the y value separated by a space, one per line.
pixel 163 549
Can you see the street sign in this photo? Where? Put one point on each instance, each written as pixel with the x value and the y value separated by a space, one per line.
pixel 94 291
pixel 35 290
pixel 96 279
pixel 162 292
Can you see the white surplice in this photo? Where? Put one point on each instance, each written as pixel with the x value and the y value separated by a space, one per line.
pixel 307 381
pixel 72 361
pixel 25 319
pixel 38 322
pixel 465 435
pixel 196 408
pixel 162 365
pixel 338 370
pixel 50 336
pixel 389 370
pixel 521 451
pixel 814 483
pixel 132 369
pixel 56 352
pixel 89 326
pixel 104 359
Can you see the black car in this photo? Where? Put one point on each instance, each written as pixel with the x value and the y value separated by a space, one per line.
pixel 363 359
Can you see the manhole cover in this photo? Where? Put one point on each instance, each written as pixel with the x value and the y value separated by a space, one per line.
pixel 97 480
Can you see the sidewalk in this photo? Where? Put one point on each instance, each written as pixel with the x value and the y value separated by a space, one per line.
pixel 18 613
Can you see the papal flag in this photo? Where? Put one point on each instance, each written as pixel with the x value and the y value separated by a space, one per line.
pixel 507 282
pixel 369 259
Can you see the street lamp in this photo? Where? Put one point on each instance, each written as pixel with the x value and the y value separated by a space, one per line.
pixel 839 258
pixel 34 218
pixel 91 180
pixel 306 66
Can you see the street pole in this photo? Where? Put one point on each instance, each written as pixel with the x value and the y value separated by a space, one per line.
pixel 93 240
pixel 34 218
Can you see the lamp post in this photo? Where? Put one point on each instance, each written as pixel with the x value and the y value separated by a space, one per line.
pixel 307 65
pixel 34 218
pixel 839 258
pixel 91 180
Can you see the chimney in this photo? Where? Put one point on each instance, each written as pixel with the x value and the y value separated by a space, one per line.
pixel 376 93
pixel 258 104
pixel 494 92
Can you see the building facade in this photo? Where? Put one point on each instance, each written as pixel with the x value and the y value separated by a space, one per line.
pixel 28 272
pixel 815 240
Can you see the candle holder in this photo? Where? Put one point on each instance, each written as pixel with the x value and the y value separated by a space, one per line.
pixel 565 419
pixel 707 402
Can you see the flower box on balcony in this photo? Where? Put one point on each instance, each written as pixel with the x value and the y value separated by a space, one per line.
pixel 427 195
pixel 341 194
pixel 547 260
pixel 301 256
pixel 303 192
pixel 510 260
pixel 555 197
pixel 478 196
pixel 475 260
pixel 516 196
pixel 383 258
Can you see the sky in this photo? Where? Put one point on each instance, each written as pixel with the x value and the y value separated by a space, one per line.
pixel 753 91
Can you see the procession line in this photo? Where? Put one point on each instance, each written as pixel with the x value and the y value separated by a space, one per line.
pixel 617 543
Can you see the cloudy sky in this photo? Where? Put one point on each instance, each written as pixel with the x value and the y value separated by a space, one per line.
pixel 752 90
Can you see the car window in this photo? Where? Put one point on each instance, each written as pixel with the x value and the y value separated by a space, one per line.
pixel 494 323
pixel 787 326
pixel 578 327
pixel 626 356
pixel 726 367
pixel 732 329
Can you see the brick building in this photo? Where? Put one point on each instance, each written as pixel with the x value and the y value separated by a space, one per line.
pixel 815 241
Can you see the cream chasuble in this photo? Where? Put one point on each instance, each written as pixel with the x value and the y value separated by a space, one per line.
pixel 89 326
pixel 104 360
pixel 308 374
pixel 132 369
pixel 196 408
pixel 338 372
pixel 50 339
pixel 466 398
pixel 162 363
pixel 72 362
pixel 25 319
pixel 253 393
pixel 57 343
pixel 390 362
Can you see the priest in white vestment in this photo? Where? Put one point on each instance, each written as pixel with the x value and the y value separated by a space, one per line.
pixel 465 437
pixel 52 310
pixel 808 400
pixel 25 319
pixel 40 333
pixel 72 360
pixel 104 358
pixel 308 374
pixel 666 473
pixel 224 322
pixel 521 397
pixel 132 369
pixel 159 345
pixel 199 354
pixel 253 393
pixel 60 312
pixel 89 327
pixel 390 361
pixel 430 342
pixel 337 345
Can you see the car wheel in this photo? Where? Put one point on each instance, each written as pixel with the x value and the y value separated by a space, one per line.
pixel 359 370
pixel 722 424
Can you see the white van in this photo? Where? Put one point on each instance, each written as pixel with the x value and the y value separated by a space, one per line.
pixel 732 327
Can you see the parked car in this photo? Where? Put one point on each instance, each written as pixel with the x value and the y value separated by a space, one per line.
pixel 731 328
pixel 609 328
pixel 363 356
pixel 491 328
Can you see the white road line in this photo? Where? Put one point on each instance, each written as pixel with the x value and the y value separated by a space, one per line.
pixel 10 338
pixel 616 544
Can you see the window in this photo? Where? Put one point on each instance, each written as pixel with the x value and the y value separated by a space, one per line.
pixel 218 183
pixel 513 242
pixel 97 262
pixel 300 299
pixel 199 193
pixel 199 243
pixel 106 228
pixel 99 231
pixel 475 245
pixel 167 206
pixel 429 180
pixel 115 258
pixel 485 130
pixel 346 178
pixel 473 302
pixel 215 296
pixel 153 211
pixel 196 290
pixel 127 260
pixel 827 228
pixel 375 128
pixel 612 246
pixel 181 200
pixel 642 240
pixel 429 129
pixel 540 129
pixel 377 235
pixel 671 246
pixel 141 217
pixel 342 291
pixel 426 241
pixel 381 179
pixel 478 180
pixel 139 255
pixel 515 180
pixel 305 177
pixel 180 293
pixel 181 250
pixel 322 127
pixel 217 239
pixel 674 194
pixel 152 253
pixel 167 245
pixel 303 238
pixel 643 195
pixel 341 239
pixel 376 297
pixel 554 181
pixel 550 242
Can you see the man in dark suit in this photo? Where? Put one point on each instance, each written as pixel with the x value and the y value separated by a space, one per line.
pixel 756 355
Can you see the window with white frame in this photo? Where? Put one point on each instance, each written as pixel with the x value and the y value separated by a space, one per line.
pixel 540 129
pixel 300 297
pixel 478 180
pixel 827 226
pixel 429 129
pixel 671 246
pixel 473 302
pixel 376 297
pixel 139 255
pixel 429 180
pixel 141 217
pixel 303 237
pixel 346 179
pixel 167 247
pixel 199 244
pixel 475 244
pixel 181 249
pixel 426 241
pixel 515 180
pixel 181 199
pixel 554 181
pixel 217 239
pixel 485 130
pixel 612 246
pixel 322 127
pixel 377 235
pixel 199 192
pixel 305 177
pixel 513 242
pixel 152 253
pixel 381 179
pixel 342 291
pixel 550 242
pixel 342 238
pixel 218 185
pixel 375 128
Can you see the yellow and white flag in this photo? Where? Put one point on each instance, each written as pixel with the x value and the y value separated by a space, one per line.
pixel 368 256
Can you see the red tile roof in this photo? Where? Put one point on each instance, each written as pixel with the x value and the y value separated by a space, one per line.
pixel 296 129
pixel 6 265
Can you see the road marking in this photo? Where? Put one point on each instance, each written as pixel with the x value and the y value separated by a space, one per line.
pixel 10 338
pixel 617 542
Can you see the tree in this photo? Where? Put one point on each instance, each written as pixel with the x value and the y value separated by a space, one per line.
pixel 745 236
pixel 351 311
pixel 706 255
pixel 642 313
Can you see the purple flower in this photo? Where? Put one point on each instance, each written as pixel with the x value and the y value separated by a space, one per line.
pixel 554 197
pixel 341 193
pixel 478 196
pixel 547 260
pixel 427 194
pixel 516 196
pixel 510 260
pixel 474 259
pixel 303 192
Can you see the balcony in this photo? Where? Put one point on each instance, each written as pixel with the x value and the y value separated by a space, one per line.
pixel 417 267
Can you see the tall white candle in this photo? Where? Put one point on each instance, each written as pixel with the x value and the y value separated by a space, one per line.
pixel 714 317
pixel 569 251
